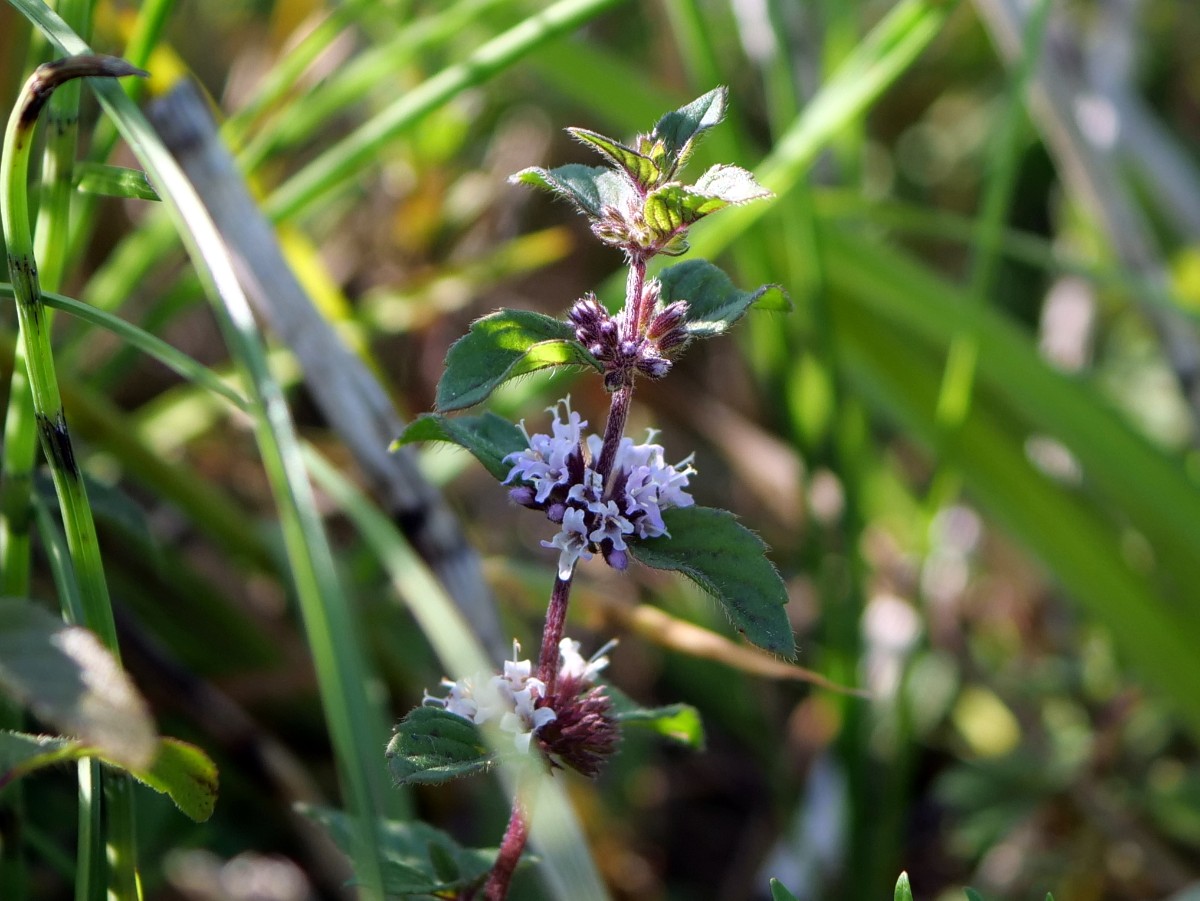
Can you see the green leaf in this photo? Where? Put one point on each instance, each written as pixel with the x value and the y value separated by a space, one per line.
pixel 714 304
pixel 640 168
pixel 971 894
pixel 70 681
pixel 679 722
pixel 903 889
pixel 502 346
pixel 590 188
pixel 418 859
pixel 113 181
pixel 732 184
pixel 186 775
pixel 490 438
pixel 727 560
pixel 679 130
pixel 432 745
pixel 181 771
pixel 674 207
pixel 779 893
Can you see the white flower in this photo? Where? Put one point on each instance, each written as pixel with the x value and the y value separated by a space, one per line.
pixel 572 665
pixel 511 697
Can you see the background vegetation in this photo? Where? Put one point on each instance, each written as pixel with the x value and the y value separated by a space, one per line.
pixel 972 447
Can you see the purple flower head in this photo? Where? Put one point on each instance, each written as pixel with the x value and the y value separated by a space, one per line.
pixel 584 732
pixel 559 478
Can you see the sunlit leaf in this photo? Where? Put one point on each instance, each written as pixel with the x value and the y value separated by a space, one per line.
pixel 728 561
pixel 502 346
pixel 903 890
pixel 679 130
pixel 589 188
pixel 490 438
pixel 640 168
pixel 779 893
pixel 679 722
pixel 71 682
pixel 181 771
pixel 714 304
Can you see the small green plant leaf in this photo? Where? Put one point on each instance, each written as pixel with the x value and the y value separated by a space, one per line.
pixel 418 859
pixel 589 188
pixel 727 560
pixel 679 130
pixel 638 167
pixel 181 771
pixel 432 745
pixel 673 207
pixel 112 181
pixel 714 304
pixel 70 681
pixel 502 346
pixel 679 722
pixel 186 775
pixel 903 890
pixel 731 184
pixel 971 894
pixel 779 893
pixel 490 438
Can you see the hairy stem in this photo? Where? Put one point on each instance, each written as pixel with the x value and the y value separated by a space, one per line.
pixel 552 633
pixel 511 847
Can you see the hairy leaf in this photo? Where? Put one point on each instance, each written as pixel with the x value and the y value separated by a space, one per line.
pixel 418 859
pixel 181 771
pixel 502 346
pixel 490 438
pixel 679 130
pixel 727 560
pixel 590 188
pixel 732 184
pixel 70 681
pixel 714 304
pixel 639 167
pixel 432 745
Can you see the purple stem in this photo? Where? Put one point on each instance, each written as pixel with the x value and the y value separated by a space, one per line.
pixel 556 623
pixel 511 847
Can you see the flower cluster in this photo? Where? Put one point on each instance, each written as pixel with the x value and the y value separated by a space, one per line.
pixel 573 723
pixel 596 515
pixel 622 354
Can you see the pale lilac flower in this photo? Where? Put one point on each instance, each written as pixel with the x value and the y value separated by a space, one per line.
pixel 559 479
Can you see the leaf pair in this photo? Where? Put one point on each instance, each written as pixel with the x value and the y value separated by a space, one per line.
pixel 637 204
pixel 511 343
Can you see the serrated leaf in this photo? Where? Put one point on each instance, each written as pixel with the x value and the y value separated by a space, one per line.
pixel 727 560
pixel 70 681
pixel 679 722
pixel 432 745
pixel 112 181
pixel 779 893
pixel 679 130
pixel 502 346
pixel 181 771
pixel 589 188
pixel 490 438
pixel 903 890
pixel 714 304
pixel 418 859
pixel 732 184
pixel 640 168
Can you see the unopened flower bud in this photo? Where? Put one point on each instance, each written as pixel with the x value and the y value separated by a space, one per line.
pixel 667 320
pixel 523 495
pixel 555 512
pixel 618 560
pixel 654 367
